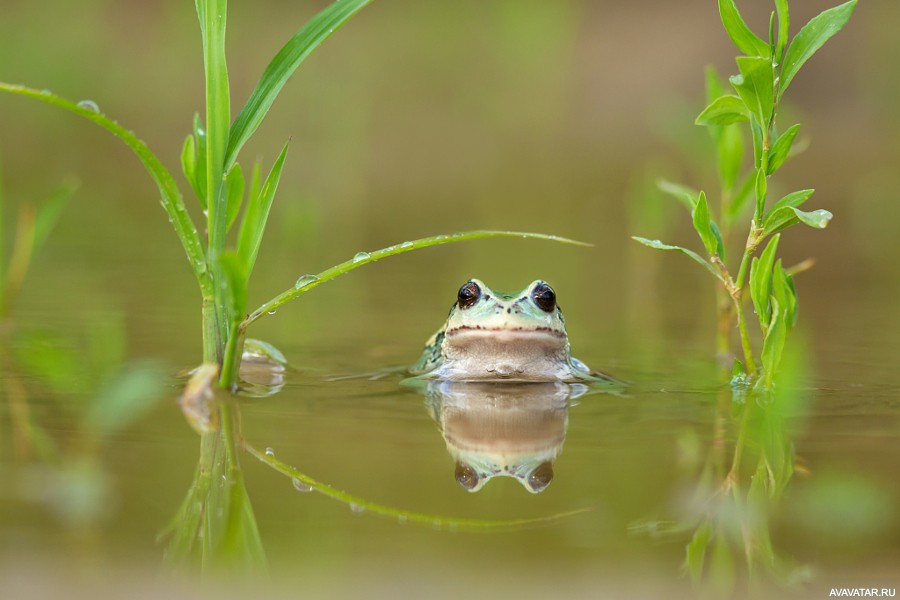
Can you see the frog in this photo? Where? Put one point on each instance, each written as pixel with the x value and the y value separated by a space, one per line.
pixel 498 336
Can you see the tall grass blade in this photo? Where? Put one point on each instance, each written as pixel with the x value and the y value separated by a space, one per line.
pixel 170 196
pixel 254 223
pixel 288 59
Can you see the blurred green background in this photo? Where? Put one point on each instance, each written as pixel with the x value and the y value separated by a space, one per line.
pixel 423 118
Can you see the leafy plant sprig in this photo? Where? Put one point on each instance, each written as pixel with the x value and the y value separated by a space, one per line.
pixel 764 73
pixel 209 161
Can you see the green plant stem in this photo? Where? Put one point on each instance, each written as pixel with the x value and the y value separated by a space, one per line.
pixel 306 283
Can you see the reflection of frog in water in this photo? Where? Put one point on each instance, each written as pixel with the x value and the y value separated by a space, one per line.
pixel 502 429
pixel 496 336
pixel 498 376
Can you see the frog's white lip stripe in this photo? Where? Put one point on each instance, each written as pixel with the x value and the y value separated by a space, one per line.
pixel 514 330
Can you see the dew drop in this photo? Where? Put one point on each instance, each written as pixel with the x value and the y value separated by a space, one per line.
pixel 90 105
pixel 271 312
pixel 357 509
pixel 406 245
pixel 402 519
pixel 305 280
pixel 270 452
pixel 361 256
pixel 300 486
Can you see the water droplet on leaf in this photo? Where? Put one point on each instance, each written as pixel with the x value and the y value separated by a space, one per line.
pixel 271 312
pixel 300 486
pixel 357 509
pixel 305 280
pixel 90 105
pixel 270 452
pixel 406 245
pixel 361 256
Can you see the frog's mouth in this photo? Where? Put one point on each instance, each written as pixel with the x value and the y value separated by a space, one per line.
pixel 505 353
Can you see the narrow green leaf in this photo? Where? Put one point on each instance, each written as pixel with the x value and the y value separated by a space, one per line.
pixel 810 38
pixel 784 20
pixel 761 191
pixel 787 216
pixel 702 225
pixel 235 284
pixel 730 155
pixel 170 195
pixel 283 66
pixel 720 243
pixel 125 399
pixel 189 164
pixel 724 110
pixel 784 294
pixel 200 172
pixel 695 551
pixel 308 282
pixel 742 196
pixel 755 86
pixel 773 344
pixel 234 190
pixel 49 212
pixel 714 87
pixel 761 281
pixel 794 199
pixel 780 150
pixel 687 196
pixel 254 223
pixel 661 246
pixel 745 40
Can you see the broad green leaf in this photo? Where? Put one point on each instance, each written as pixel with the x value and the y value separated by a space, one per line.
pixel 745 40
pixel 761 281
pixel 818 219
pixel 783 290
pixel 234 191
pixel 695 551
pixel 701 220
pixel 784 21
pixel 308 282
pixel 254 223
pixel 755 86
pixel 809 39
pixel 684 194
pixel 761 190
pixel 780 150
pixel 169 194
pixel 773 344
pixel 724 110
pixel 794 199
pixel 283 66
pixel 661 246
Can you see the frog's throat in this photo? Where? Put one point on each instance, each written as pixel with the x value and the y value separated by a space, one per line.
pixel 477 332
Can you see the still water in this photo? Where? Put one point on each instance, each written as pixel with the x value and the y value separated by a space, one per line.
pixel 625 481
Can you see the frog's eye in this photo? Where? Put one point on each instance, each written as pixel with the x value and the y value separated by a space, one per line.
pixel 541 477
pixel 544 297
pixel 468 294
pixel 466 476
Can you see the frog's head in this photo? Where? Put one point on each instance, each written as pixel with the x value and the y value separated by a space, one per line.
pixel 520 335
